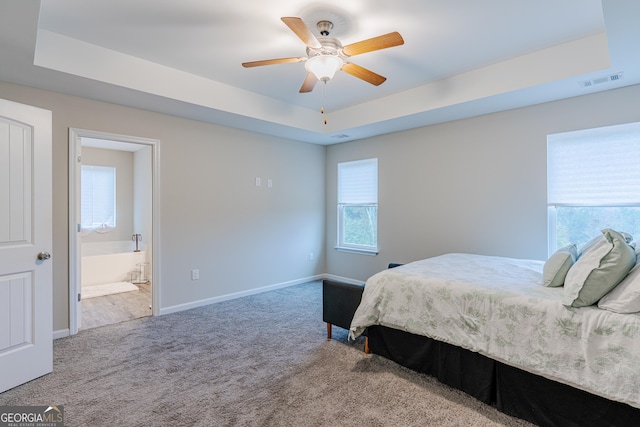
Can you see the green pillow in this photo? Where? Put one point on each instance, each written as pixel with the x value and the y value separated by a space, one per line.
pixel 591 243
pixel 558 265
pixel 598 270
pixel 624 298
pixel 585 248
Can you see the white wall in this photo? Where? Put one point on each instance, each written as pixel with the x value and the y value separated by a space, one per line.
pixel 476 185
pixel 212 215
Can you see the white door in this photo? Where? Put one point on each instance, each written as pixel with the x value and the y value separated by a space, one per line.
pixel 26 319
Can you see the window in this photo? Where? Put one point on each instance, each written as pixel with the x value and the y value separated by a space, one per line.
pixel 358 206
pixel 98 198
pixel 593 182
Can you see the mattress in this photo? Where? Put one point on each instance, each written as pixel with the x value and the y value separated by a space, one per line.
pixel 498 307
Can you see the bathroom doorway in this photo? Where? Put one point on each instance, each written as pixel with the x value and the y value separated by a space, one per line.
pixel 113 236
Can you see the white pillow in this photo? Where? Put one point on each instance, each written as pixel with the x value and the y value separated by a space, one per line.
pixel 591 243
pixel 598 270
pixel 624 298
pixel 558 265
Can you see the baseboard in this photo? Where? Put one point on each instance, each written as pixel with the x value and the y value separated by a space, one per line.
pixel 227 297
pixel 60 333
pixel 181 307
pixel 342 279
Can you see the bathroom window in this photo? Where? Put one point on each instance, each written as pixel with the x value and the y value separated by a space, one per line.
pixel 98 194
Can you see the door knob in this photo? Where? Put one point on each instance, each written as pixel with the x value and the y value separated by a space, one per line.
pixel 43 256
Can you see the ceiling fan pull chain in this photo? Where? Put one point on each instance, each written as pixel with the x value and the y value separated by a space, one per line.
pixel 324 88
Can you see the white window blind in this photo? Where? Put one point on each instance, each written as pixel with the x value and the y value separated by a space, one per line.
pixel 594 167
pixel 358 182
pixel 358 206
pixel 98 198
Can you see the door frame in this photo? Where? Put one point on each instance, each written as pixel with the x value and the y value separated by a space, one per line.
pixel 74 217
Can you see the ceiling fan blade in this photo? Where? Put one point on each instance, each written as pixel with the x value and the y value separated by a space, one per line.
pixel 363 74
pixel 271 62
pixel 375 43
pixel 300 28
pixel 309 83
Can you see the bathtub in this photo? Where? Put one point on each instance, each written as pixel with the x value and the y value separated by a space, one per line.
pixel 109 262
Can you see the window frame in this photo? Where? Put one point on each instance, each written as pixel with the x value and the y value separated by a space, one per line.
pixel 103 227
pixel 341 245
pixel 552 221
pixel 590 139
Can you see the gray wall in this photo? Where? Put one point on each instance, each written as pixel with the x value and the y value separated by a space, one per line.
pixel 212 215
pixel 476 185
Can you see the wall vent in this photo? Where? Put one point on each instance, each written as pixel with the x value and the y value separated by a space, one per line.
pixel 600 80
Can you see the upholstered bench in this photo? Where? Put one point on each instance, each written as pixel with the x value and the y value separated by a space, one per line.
pixel 339 303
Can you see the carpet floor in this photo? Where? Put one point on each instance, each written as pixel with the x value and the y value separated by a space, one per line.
pixel 261 360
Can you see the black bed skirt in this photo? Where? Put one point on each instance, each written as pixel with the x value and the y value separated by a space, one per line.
pixel 511 390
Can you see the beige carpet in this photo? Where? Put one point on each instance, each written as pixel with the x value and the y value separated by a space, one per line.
pixel 261 360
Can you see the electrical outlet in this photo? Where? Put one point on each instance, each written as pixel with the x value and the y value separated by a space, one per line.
pixel 310 256
pixel 195 274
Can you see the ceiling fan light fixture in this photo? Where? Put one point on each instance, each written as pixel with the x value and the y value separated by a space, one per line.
pixel 326 55
pixel 324 67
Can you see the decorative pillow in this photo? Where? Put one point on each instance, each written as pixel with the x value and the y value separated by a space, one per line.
pixel 598 270
pixel 624 298
pixel 557 266
pixel 591 243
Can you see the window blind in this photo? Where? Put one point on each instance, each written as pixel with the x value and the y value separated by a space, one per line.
pixel 594 167
pixel 98 197
pixel 358 182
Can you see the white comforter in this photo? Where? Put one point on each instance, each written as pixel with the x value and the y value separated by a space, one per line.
pixel 498 307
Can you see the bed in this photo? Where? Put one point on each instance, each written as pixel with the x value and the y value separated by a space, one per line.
pixel 487 326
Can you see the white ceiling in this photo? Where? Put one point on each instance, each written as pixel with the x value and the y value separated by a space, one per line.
pixel 460 58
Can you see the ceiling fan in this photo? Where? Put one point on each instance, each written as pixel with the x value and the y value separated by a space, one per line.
pixel 326 55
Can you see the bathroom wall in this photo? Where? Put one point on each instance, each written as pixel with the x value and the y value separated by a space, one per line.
pixel 143 202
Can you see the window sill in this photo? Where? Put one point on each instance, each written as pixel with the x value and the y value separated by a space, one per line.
pixel 372 252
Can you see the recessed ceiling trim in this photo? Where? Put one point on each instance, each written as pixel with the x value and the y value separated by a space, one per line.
pixel 587 55
pixel 73 56
pixel 296 118
pixel 61 53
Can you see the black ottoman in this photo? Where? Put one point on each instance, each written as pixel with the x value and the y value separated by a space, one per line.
pixel 339 302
